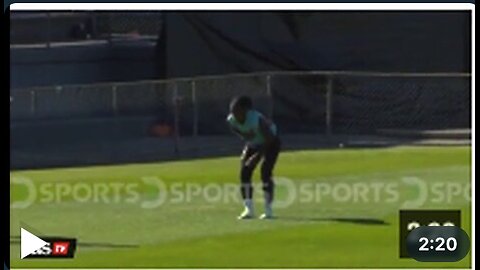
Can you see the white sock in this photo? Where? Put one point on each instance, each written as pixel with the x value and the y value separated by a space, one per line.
pixel 248 205
pixel 268 203
pixel 268 209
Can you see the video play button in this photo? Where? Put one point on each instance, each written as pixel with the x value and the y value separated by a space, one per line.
pixel 29 243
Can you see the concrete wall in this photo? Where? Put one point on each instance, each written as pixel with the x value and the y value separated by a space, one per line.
pixel 82 64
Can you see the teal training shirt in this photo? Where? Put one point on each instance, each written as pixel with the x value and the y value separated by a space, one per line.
pixel 252 124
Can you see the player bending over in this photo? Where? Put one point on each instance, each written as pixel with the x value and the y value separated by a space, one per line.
pixel 262 141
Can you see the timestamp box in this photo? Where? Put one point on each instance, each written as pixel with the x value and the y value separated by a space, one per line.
pixel 412 219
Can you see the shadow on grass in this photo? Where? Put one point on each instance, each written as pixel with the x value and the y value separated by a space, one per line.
pixel 359 221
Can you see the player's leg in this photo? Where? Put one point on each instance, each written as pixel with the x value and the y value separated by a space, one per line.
pixel 268 164
pixel 246 189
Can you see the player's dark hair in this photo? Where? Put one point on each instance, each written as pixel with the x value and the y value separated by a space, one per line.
pixel 244 102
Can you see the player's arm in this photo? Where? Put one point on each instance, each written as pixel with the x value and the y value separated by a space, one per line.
pixel 242 135
pixel 236 132
pixel 264 127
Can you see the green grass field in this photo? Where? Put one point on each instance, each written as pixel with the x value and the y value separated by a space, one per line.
pixel 316 229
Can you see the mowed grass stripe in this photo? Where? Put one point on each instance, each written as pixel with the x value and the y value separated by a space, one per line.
pixel 202 234
pixel 323 244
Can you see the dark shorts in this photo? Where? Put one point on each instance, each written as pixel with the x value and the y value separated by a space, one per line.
pixel 251 156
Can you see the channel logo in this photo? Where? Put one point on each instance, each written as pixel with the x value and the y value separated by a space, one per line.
pixel 33 246
pixel 61 248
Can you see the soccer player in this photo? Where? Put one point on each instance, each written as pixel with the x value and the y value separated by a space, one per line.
pixel 262 142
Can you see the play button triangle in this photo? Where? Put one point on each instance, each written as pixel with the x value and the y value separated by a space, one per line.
pixel 29 243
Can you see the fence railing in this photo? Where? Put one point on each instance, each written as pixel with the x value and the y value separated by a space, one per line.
pixel 299 101
pixel 49 28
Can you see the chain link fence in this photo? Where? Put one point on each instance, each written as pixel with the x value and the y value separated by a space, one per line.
pixel 367 104
pixel 152 120
pixel 323 102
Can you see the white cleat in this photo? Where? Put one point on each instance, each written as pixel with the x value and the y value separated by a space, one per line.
pixel 246 214
pixel 266 216
pixel 268 213
pixel 248 210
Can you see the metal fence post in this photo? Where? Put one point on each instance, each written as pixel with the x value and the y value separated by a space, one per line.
pixel 195 109
pixel 33 101
pixel 94 25
pixel 176 119
pixel 109 28
pixel 48 32
pixel 114 100
pixel 328 105
pixel 269 95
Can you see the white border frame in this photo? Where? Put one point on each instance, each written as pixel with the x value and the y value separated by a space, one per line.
pixel 286 6
pixel 241 6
